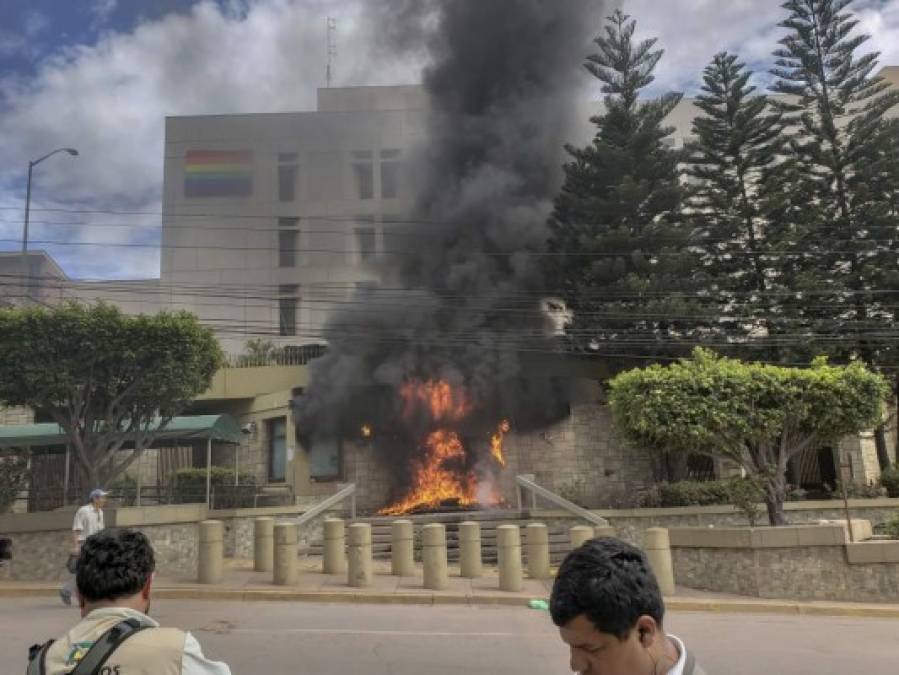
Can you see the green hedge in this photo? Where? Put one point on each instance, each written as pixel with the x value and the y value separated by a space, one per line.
pixel 188 486
pixel 699 493
pixel 14 477
pixel 890 481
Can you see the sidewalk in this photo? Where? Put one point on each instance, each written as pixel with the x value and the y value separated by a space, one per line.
pixel 241 582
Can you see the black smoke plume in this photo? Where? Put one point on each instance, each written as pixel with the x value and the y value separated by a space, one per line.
pixel 462 303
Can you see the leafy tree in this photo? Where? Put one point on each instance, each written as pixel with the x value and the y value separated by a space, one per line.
pixel 757 415
pixel 731 166
pixel 110 381
pixel 845 236
pixel 618 243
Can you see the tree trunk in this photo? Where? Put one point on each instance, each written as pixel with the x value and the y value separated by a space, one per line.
pixel 880 442
pixel 775 495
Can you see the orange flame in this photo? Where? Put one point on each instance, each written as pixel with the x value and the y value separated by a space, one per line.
pixel 434 483
pixel 439 397
pixel 496 442
pixel 365 431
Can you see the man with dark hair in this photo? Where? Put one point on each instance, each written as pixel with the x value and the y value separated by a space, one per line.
pixel 115 635
pixel 609 610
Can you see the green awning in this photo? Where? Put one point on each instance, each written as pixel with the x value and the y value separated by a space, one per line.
pixel 222 428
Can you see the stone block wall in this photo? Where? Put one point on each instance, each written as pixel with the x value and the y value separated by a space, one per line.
pixel 818 564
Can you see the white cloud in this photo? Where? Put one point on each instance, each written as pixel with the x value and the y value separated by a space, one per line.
pixel 110 101
pixel 692 31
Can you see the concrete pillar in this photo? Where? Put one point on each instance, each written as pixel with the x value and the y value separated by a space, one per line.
pixel 264 544
pixel 212 552
pixel 538 551
pixel 579 534
pixel 360 568
pixel 334 559
pixel 285 563
pixel 657 547
pixel 433 556
pixel 401 549
pixel 508 551
pixel 470 561
pixel 607 531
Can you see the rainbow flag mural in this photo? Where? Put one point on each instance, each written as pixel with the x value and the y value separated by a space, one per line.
pixel 218 173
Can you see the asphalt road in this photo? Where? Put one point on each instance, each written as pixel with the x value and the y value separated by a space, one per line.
pixel 311 639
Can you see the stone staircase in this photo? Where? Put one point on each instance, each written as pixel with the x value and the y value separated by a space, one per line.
pixel 559 544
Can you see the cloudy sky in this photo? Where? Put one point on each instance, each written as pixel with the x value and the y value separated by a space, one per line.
pixel 101 75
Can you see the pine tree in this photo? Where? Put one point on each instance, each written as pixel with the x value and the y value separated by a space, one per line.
pixel 731 166
pixel 620 254
pixel 842 152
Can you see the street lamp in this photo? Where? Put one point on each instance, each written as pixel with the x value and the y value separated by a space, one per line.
pixel 31 165
pixel 26 268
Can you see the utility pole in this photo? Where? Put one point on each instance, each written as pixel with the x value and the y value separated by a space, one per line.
pixel 332 50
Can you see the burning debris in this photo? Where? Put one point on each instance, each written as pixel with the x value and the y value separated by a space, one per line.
pixel 437 363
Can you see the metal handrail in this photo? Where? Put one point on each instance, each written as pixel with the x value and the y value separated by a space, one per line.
pixel 348 490
pixel 526 482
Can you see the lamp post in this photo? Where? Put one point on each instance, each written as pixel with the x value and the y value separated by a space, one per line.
pixel 26 268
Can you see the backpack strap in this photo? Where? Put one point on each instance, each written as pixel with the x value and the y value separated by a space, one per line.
pixel 103 648
pixel 37 658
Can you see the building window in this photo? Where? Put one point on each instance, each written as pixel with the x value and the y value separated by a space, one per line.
pixel 287 176
pixel 288 299
pixel 277 450
pixel 288 241
pixel 366 243
pixel 324 459
pixel 364 172
pixel 390 174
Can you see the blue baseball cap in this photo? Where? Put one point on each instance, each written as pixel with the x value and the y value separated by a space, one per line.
pixel 96 494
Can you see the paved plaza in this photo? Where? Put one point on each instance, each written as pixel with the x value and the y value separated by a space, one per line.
pixel 334 639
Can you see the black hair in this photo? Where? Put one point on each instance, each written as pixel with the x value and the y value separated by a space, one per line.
pixel 114 564
pixel 610 582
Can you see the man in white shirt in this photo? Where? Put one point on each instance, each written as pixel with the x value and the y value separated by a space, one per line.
pixel 115 578
pixel 88 521
pixel 609 610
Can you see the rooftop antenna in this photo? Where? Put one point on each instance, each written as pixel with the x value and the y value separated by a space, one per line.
pixel 332 50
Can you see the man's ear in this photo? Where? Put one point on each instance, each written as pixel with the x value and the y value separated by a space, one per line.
pixel 648 631
pixel 145 591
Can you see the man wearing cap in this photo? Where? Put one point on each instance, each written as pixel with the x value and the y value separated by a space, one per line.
pixel 88 521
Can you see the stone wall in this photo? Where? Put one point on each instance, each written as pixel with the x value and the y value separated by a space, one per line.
pixel 580 458
pixel 41 541
pixel 799 562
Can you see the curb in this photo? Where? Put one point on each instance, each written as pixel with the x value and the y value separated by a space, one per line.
pixel 677 604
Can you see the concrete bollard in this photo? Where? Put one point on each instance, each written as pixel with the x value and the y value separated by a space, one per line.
pixel 607 531
pixel 360 567
pixel 470 561
pixel 657 547
pixel 401 549
pixel 264 544
pixel 508 550
pixel 334 558
pixel 580 534
pixel 211 562
pixel 538 551
pixel 433 557
pixel 285 559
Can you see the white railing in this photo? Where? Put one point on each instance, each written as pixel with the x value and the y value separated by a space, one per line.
pixel 526 482
pixel 347 491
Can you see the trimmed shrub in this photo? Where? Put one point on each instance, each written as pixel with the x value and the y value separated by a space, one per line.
pixel 743 493
pixel 890 481
pixel 14 476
